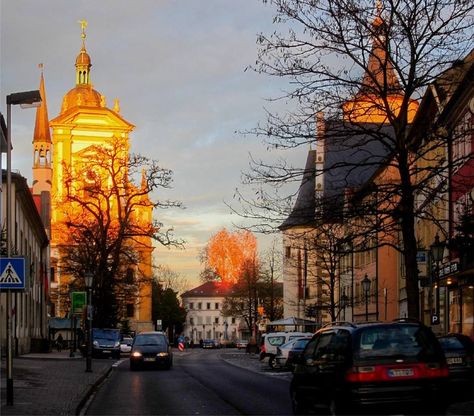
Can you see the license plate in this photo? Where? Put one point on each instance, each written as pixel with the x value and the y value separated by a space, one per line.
pixel 454 360
pixel 400 372
pixel 148 359
pixel 106 351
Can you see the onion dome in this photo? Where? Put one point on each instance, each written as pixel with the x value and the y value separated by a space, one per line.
pixel 82 94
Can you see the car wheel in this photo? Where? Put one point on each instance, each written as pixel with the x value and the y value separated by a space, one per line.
pixel 271 362
pixel 298 406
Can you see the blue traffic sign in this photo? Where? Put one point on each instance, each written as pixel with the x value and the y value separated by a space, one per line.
pixel 12 273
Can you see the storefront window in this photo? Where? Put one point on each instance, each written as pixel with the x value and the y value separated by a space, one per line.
pixel 468 311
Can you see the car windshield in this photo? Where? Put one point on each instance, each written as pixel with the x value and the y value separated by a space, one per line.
pixel 400 341
pixel 142 340
pixel 451 344
pixel 109 335
pixel 301 343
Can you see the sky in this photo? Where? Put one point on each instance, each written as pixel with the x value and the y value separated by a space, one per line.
pixel 178 69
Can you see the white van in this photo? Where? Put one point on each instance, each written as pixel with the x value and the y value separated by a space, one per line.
pixel 272 340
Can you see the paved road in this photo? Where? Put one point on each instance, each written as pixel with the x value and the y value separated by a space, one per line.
pixel 55 384
pixel 200 382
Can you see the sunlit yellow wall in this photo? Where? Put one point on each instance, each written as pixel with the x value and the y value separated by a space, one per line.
pixel 74 131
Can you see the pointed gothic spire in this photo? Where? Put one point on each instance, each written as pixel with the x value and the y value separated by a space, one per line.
pixel 42 133
pixel 380 74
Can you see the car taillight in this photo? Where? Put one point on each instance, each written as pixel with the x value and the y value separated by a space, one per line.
pixel 368 374
pixel 263 348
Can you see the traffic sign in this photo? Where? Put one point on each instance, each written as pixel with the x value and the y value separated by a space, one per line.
pixel 78 300
pixel 12 273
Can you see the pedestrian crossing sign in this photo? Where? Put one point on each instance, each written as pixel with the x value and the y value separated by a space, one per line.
pixel 12 273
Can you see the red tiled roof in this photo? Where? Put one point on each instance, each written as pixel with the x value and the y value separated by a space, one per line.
pixel 208 289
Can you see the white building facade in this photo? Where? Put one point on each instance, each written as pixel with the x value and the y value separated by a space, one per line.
pixel 204 319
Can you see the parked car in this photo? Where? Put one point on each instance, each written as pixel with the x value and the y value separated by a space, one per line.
pixel 126 345
pixel 459 352
pixel 287 353
pixel 210 343
pixel 106 342
pixel 151 349
pixel 272 340
pixel 394 367
pixel 241 344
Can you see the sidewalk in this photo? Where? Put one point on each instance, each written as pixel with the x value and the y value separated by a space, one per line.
pixel 51 383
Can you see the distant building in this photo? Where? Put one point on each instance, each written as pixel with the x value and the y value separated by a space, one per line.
pixel 204 318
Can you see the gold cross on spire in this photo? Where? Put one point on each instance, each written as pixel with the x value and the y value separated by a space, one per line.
pixel 83 24
pixel 379 7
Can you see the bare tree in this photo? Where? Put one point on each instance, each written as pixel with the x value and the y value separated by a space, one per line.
pixel 107 226
pixel 364 68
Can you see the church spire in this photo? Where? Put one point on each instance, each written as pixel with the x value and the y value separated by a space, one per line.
pixel 83 60
pixel 42 133
pixel 42 155
pixel 380 74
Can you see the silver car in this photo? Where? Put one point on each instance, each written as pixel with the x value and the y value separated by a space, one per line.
pixel 287 351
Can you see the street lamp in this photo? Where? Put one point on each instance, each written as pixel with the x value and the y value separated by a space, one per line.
pixel 366 288
pixel 437 252
pixel 88 281
pixel 344 302
pixel 24 100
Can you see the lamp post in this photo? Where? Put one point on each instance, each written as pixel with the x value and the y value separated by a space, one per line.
pixel 24 100
pixel 366 288
pixel 344 303
pixel 437 251
pixel 88 281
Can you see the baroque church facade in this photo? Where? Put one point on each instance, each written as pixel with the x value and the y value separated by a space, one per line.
pixel 86 123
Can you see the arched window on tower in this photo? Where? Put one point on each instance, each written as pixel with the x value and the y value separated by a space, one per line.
pixel 130 276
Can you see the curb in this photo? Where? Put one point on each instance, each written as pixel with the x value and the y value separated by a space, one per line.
pixel 85 399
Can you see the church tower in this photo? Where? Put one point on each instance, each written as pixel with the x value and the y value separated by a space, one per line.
pixel 85 123
pixel 42 155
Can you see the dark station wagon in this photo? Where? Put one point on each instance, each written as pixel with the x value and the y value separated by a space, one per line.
pixel 394 367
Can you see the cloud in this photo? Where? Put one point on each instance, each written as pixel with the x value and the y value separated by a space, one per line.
pixel 177 68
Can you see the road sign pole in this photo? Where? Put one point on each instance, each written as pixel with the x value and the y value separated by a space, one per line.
pixel 9 249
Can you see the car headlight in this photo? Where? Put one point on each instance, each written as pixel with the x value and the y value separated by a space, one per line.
pixel 136 354
pixel 162 354
pixel 117 344
pixel 96 343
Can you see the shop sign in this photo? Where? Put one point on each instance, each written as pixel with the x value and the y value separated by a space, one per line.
pixel 448 269
pixel 422 263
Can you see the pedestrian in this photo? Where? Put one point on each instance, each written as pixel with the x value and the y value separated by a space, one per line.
pixel 59 343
